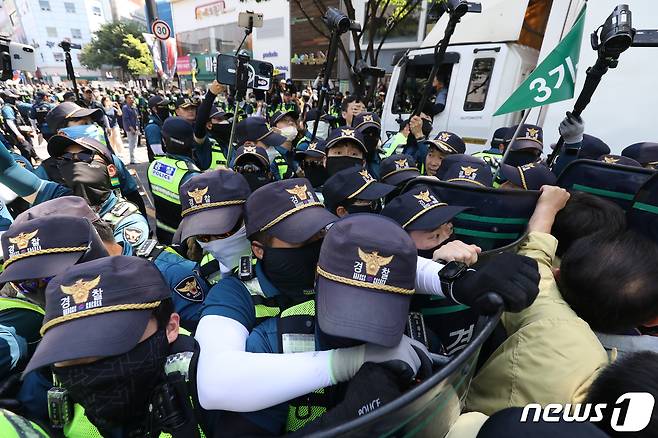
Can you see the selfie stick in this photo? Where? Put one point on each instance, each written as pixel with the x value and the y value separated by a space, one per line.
pixel 241 79
pixel 456 10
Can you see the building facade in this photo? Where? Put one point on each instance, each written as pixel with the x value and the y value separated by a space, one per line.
pixel 43 24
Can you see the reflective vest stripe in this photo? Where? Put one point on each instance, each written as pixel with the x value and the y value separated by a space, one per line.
pixel 391 146
pixel 168 195
pixel 15 303
pixel 165 227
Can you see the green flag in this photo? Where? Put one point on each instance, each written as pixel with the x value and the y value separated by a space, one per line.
pixel 554 79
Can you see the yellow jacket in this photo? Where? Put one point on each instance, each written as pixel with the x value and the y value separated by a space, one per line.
pixel 550 355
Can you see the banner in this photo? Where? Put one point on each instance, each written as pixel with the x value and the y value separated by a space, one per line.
pixel 154 46
pixel 554 80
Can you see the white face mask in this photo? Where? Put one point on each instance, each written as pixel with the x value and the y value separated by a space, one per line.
pixel 228 251
pixel 323 129
pixel 289 132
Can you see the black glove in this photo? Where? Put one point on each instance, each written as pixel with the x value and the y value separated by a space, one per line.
pixel 506 279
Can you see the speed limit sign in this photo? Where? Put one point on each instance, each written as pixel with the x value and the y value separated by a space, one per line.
pixel 161 29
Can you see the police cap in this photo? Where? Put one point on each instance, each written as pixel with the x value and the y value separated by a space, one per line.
pixel 419 209
pixel 257 152
pixel 256 129
pixel 57 145
pixel 529 176
pixel 529 137
pixel 366 276
pixel 618 159
pixel 212 203
pixel 186 102
pixel 397 169
pixel 277 116
pixel 157 100
pixel 97 309
pixel 592 147
pixel 645 153
pixel 288 210
pixel 57 117
pixel 466 170
pixel 345 133
pixel 353 183
pixel 448 143
pixel 63 206
pixel 366 120
pixel 315 149
pixel 45 246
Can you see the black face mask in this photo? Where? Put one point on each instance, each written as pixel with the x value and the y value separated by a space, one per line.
pixel 221 132
pixel 51 166
pixel 115 391
pixel 336 164
pixel 90 181
pixel 373 207
pixel 292 270
pixel 316 173
pixel 256 180
pixel 162 113
pixel 427 128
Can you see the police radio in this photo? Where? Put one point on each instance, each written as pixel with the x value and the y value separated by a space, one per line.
pixel 60 407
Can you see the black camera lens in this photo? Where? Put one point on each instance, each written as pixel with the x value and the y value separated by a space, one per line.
pixel 337 20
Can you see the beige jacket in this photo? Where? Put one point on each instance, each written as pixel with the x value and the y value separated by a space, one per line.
pixel 550 355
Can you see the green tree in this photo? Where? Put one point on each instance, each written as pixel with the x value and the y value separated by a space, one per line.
pixel 108 45
pixel 142 64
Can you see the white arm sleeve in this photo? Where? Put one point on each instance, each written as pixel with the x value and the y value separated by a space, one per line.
pixel 12 126
pixel 231 379
pixel 427 277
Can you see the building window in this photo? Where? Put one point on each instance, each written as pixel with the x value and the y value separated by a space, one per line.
pixel 478 85
pixel 76 33
pixel 70 7
pixel 96 10
pixel 51 32
pixel 59 57
pixel 44 5
pixel 405 31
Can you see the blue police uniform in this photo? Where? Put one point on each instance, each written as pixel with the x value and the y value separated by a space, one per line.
pixel 153 131
pixel 38 112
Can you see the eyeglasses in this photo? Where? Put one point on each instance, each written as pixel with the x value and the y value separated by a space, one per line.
pixel 84 156
pixel 309 164
pixel 32 286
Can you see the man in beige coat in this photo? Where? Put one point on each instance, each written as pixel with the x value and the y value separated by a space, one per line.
pixel 550 354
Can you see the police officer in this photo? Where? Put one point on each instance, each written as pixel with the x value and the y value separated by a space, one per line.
pixel 252 163
pixel 396 143
pixel 12 121
pixel 129 367
pixel 39 111
pixel 465 170
pixel 324 126
pixel 167 173
pixel 514 278
pixel 354 190
pixel 159 111
pixel 285 124
pixel 311 161
pixel 15 426
pixel 187 287
pixel 499 141
pixel 285 223
pixel 443 145
pixel 527 177
pixel 213 125
pixel 344 148
pixel 378 252
pixel 645 153
pixel 254 131
pixel 76 122
pixel 398 169
pixel 212 228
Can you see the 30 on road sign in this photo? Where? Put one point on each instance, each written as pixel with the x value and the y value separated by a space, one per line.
pixel 161 29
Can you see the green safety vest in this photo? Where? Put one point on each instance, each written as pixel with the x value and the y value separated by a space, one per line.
pixel 217 157
pixel 17 303
pixel 282 166
pixel 391 145
pixel 15 426
pixel 165 175
pixel 493 160
pixel 296 330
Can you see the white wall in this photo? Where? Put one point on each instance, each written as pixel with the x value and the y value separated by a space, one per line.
pixel 273 44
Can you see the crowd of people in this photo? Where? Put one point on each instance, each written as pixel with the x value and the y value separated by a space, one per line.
pixel 273 295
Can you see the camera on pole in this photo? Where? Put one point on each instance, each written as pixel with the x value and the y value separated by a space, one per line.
pixel 610 40
pixel 70 73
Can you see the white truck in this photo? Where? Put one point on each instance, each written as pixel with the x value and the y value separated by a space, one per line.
pixel 492 53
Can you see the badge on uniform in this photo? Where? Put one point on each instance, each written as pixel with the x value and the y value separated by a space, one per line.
pixel 189 289
pixel 132 235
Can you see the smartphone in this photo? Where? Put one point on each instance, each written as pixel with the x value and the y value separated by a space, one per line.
pixel 260 72
pixel 243 19
pixel 23 57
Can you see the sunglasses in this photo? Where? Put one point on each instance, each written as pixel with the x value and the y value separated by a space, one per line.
pixel 31 286
pixel 249 168
pixel 84 156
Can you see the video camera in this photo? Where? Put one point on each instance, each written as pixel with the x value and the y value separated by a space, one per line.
pixel 462 7
pixel 338 21
pixel 616 35
pixel 15 56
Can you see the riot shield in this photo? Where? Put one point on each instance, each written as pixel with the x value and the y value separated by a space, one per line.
pixel 613 182
pixel 643 215
pixel 428 409
pixel 497 218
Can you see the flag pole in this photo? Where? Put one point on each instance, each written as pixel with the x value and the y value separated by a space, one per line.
pixel 509 146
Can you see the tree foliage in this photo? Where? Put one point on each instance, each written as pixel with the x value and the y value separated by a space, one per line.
pixel 137 65
pixel 108 46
